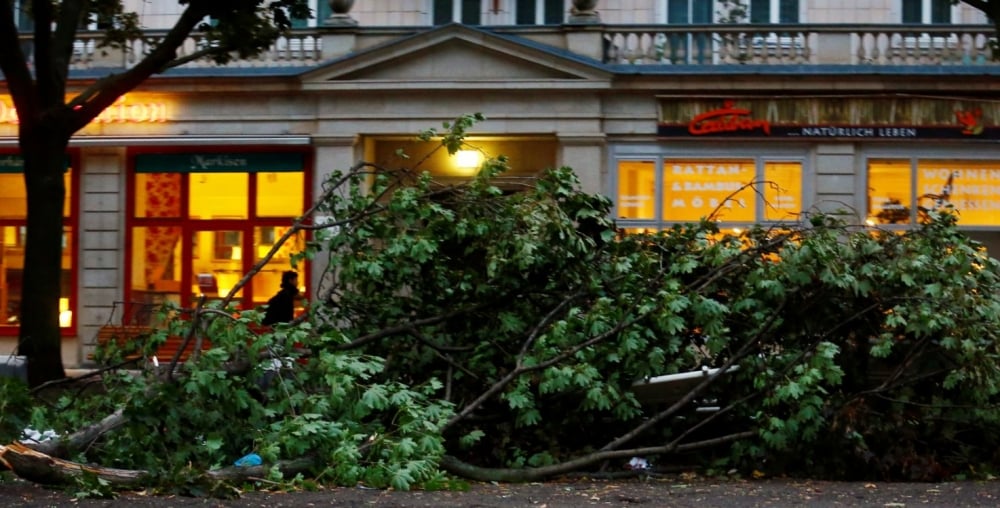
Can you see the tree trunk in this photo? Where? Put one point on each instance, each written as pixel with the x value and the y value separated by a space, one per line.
pixel 44 152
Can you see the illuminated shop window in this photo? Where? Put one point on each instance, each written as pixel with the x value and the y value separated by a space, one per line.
pixel 219 195
pixel 273 198
pixel 636 190
pixel 13 233
pixel 889 192
pixel 701 188
pixel 687 190
pixel 264 284
pixel 972 187
pixel 782 191
pixel 199 222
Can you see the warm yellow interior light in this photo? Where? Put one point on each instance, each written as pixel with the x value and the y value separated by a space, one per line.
pixel 65 315
pixel 468 159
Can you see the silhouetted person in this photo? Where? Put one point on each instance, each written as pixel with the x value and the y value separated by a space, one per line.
pixel 281 307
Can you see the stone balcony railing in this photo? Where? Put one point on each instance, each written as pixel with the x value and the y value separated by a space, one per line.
pixel 800 45
pixel 701 45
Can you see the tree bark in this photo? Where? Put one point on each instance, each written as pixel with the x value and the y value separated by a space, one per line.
pixel 43 146
pixel 41 468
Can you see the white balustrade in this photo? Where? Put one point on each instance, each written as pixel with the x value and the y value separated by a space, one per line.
pixel 717 44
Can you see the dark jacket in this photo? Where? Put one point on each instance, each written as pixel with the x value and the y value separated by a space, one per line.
pixel 281 307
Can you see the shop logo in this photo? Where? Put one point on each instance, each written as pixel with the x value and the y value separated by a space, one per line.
pixel 122 111
pixel 971 121
pixel 210 162
pixel 726 119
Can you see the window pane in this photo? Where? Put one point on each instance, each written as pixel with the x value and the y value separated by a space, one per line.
pixel 760 11
pixel 912 11
pixel 782 191
pixel 636 190
pixel 158 195
pixel 216 263
pixel 972 187
pixel 219 195
pixel 267 282
pixel 525 14
pixel 322 11
pixel 12 276
pixel 701 11
pixel 442 12
pixel 280 194
pixel 941 12
pixel 788 11
pixel 889 194
pixel 156 270
pixel 66 280
pixel 693 189
pixel 471 14
pixel 13 197
pixel 555 12
pixel 11 272
pixel 677 12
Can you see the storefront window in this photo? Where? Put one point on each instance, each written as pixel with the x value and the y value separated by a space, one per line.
pixel 889 191
pixel 704 188
pixel 219 195
pixel 195 234
pixel 782 191
pixel 13 234
pixel 637 190
pixel 267 282
pixel 972 187
pixel 733 191
pixel 273 197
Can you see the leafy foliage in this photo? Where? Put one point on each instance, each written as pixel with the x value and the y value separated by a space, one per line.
pixel 539 316
pixel 506 330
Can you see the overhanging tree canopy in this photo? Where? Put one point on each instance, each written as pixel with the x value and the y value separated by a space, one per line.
pixel 50 111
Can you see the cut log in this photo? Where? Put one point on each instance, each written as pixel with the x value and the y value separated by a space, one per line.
pixel 41 468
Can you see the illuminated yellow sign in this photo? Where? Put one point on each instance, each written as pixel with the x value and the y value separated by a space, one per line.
pixel 726 190
pixel 124 110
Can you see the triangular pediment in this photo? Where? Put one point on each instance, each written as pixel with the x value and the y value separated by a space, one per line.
pixel 456 56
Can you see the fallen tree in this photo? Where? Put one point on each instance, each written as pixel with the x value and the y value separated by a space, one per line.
pixel 498 335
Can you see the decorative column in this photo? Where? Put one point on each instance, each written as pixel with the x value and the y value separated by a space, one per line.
pixel 583 13
pixel 339 13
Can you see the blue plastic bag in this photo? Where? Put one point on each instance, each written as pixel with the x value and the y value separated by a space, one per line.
pixel 249 460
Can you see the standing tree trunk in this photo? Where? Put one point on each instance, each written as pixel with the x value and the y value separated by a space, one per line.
pixel 43 146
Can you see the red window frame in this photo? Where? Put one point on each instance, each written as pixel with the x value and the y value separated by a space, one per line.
pixel 189 225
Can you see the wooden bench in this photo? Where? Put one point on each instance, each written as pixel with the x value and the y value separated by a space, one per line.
pixel 122 335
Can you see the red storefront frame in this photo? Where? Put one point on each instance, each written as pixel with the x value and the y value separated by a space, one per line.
pixel 189 225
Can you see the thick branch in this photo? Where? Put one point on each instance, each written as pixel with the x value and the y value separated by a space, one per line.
pixel 107 90
pixel 66 446
pixel 466 470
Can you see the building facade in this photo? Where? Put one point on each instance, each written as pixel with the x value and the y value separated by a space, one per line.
pixel 877 109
